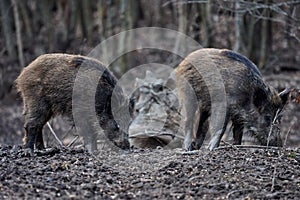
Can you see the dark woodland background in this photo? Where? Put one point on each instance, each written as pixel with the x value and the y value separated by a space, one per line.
pixel 266 31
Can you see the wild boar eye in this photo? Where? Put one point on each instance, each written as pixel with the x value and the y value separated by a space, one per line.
pixel 117 126
pixel 158 88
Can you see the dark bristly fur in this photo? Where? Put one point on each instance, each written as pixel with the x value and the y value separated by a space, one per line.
pixel 251 103
pixel 46 86
pixel 240 58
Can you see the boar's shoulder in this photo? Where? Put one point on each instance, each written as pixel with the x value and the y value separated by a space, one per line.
pixel 240 58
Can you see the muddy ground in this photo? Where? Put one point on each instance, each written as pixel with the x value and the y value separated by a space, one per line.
pixel 226 173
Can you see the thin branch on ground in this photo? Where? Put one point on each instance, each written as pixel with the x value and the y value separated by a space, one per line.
pixel 286 137
pixel 273 178
pixel 238 191
pixel 73 141
pixel 54 134
pixel 248 147
pixel 194 152
pixel 273 124
pixel 228 144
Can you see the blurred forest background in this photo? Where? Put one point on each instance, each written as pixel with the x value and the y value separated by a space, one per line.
pixel 266 31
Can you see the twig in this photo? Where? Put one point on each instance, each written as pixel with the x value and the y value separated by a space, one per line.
pixel 275 167
pixel 273 178
pixel 53 133
pixel 273 124
pixel 281 194
pixel 274 172
pixel 238 191
pixel 73 141
pixel 47 152
pixel 194 152
pixel 18 33
pixel 155 134
pixel 286 136
pixel 228 144
pixel 247 147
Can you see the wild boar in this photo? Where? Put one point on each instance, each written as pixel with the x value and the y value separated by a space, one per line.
pixel 247 100
pixel 46 87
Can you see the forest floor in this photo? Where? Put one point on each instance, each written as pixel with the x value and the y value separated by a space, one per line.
pixel 225 173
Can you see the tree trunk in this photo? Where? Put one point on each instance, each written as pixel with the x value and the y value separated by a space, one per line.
pixel 109 25
pixel 238 45
pixel 264 35
pixel 196 24
pixel 249 37
pixel 182 27
pixel 122 41
pixel 126 24
pixel 207 24
pixel 7 26
pixel 25 16
pixel 18 33
pixel 86 20
pixel 102 12
pixel 47 21
pixel 72 20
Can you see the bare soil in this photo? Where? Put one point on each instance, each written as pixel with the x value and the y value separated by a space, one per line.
pixel 228 173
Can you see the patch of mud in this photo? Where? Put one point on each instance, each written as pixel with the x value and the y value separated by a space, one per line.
pixel 150 174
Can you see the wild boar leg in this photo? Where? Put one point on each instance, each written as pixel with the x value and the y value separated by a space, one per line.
pixel 190 108
pixel 217 136
pixel 202 129
pixel 30 133
pixel 237 133
pixel 34 123
pixel 33 135
pixel 39 141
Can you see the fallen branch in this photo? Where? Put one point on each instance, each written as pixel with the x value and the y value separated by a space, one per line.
pixel 183 152
pixel 247 147
pixel 51 151
pixel 73 141
pixel 286 137
pixel 273 178
pixel 228 144
pixel 238 191
pixel 273 124
pixel 53 133
pixel 155 134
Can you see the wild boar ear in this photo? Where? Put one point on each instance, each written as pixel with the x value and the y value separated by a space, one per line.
pixel 259 98
pixel 132 101
pixel 285 96
pixel 171 81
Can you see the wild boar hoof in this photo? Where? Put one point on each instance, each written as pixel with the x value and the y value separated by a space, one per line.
pixel 28 152
pixel 191 147
pixel 40 147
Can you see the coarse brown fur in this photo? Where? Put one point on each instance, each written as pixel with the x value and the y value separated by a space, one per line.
pixel 248 101
pixel 46 87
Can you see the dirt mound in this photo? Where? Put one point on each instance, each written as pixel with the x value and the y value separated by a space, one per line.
pixel 150 174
